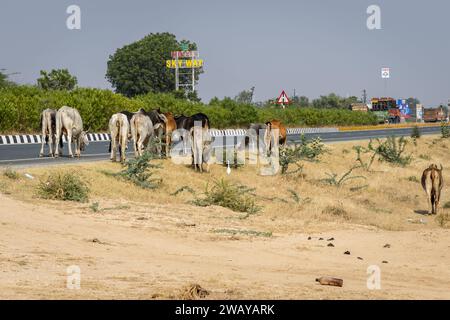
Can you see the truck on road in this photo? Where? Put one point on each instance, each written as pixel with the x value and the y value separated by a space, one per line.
pixel 434 114
pixel 386 110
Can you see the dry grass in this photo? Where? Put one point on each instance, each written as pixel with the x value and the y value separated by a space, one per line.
pixel 390 200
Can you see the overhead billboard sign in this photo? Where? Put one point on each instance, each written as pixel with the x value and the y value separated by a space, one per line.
pixel 185 63
pixel 404 108
pixel 184 54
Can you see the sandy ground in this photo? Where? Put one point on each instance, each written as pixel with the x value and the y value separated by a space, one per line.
pixel 38 244
pixel 151 245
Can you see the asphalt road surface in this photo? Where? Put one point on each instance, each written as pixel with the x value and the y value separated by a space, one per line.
pixel 28 154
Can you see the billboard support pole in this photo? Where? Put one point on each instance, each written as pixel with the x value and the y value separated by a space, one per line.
pixel 177 79
pixel 193 75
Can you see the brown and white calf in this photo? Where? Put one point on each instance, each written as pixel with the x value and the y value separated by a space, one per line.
pixel 48 126
pixel 433 183
pixel 119 128
pixel 170 126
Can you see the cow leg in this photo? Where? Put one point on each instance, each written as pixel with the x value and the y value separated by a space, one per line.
pixel 69 142
pixel 140 146
pixel 185 138
pixel 123 145
pixel 50 144
pixel 135 145
pixel 430 204
pixel 58 138
pixel 76 143
pixel 168 138
pixel 433 204
pixel 200 159
pixel 113 148
pixel 41 153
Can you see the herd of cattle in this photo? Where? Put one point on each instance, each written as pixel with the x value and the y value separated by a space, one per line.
pixel 141 128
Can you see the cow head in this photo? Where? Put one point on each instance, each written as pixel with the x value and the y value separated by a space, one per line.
pixel 83 140
pixel 163 119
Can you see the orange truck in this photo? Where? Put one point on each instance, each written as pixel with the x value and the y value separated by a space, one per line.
pixel 434 114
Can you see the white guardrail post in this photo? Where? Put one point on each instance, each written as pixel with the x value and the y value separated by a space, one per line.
pixel 227 134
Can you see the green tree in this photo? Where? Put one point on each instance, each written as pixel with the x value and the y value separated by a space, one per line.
pixel 4 82
pixel 245 96
pixel 57 79
pixel 140 67
pixel 300 101
pixel 334 101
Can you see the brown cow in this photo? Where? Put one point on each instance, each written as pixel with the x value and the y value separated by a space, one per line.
pixel 170 126
pixel 432 183
pixel 274 127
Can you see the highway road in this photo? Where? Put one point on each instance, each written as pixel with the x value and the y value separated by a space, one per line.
pixel 28 154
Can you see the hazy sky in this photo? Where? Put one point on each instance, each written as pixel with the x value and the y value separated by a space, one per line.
pixel 316 47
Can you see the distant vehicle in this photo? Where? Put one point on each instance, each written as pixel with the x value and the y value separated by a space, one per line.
pixel 434 114
pixel 386 110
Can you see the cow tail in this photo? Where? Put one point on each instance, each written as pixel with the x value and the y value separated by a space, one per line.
pixel 119 127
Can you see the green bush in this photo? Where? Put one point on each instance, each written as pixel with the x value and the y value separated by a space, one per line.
pixel 64 186
pixel 11 174
pixel 392 151
pixel 20 108
pixel 305 150
pixel 445 130
pixel 138 171
pixel 229 195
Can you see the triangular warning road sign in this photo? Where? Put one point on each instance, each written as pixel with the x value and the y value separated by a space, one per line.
pixel 283 98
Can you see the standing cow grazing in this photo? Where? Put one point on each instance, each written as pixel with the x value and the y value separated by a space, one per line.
pixel 142 132
pixel 185 124
pixel 275 134
pixel 201 146
pixel 433 183
pixel 48 126
pixel 68 122
pixel 119 128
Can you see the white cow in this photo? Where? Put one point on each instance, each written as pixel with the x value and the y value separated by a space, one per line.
pixel 69 122
pixel 142 132
pixel 118 127
pixel 200 146
pixel 48 126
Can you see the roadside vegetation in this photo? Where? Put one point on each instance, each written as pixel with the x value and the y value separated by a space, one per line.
pixel 11 174
pixel 20 108
pixel 64 186
pixel 140 171
pixel 334 188
pixel 303 151
pixel 230 195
